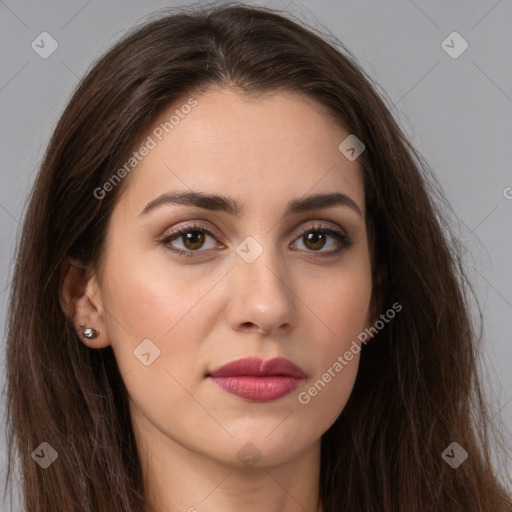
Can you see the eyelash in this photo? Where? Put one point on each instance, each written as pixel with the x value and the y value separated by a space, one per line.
pixel 343 240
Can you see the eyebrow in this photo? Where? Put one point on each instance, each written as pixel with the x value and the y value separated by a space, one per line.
pixel 233 207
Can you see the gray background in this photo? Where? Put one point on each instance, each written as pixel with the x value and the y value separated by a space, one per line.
pixel 457 112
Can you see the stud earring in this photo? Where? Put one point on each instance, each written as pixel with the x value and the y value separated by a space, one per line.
pixel 89 333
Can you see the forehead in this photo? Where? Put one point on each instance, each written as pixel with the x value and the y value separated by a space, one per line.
pixel 262 150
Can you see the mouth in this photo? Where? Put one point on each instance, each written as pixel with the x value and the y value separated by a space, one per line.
pixel 257 380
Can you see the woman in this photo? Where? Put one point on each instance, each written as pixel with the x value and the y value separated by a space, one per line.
pixel 234 290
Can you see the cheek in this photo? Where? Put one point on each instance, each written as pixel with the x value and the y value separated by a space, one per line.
pixel 170 309
pixel 336 352
pixel 343 309
pixel 149 298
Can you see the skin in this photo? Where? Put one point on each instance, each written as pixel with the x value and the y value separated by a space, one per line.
pixel 204 311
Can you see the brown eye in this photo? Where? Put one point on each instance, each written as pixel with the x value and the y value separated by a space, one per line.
pixel 315 238
pixel 193 239
pixel 315 241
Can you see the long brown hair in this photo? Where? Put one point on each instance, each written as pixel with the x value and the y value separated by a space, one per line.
pixel 417 389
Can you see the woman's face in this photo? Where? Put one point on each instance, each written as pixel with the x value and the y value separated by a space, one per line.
pixel 255 287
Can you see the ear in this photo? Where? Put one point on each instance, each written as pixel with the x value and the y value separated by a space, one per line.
pixel 81 302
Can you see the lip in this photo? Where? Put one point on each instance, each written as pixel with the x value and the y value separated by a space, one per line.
pixel 257 380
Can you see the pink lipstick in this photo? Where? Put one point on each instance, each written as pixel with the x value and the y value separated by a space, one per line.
pixel 257 380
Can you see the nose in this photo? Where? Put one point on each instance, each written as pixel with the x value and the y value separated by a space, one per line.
pixel 262 297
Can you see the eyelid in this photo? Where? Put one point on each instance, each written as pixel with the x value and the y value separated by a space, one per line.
pixel 315 224
pixel 191 226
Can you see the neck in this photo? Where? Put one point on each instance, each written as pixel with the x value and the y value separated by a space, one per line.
pixel 179 479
